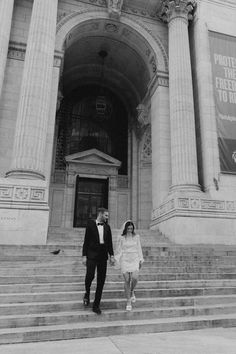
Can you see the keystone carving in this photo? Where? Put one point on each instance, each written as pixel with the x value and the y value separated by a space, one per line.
pixel 114 8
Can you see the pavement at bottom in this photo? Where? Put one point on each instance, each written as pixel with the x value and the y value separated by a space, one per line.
pixel 206 341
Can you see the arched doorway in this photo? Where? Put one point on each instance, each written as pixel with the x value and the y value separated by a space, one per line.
pixel 121 79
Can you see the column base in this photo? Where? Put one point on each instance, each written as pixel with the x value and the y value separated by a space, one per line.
pixel 24 212
pixel 185 188
pixel 25 174
pixel 196 220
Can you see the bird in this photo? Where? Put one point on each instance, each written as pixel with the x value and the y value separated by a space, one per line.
pixel 56 252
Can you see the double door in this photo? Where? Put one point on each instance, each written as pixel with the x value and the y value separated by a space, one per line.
pixel 91 194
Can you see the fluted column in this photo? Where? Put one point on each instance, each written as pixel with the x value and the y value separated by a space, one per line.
pixel 6 9
pixel 34 102
pixel 209 139
pixel 183 138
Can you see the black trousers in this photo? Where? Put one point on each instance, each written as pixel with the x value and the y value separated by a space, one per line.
pixel 101 265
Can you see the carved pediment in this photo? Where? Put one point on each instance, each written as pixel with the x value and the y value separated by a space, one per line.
pixel 93 157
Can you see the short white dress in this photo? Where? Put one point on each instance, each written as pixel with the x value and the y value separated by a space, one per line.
pixel 129 253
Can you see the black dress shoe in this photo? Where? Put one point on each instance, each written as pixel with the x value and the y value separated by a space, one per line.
pixel 97 310
pixel 86 300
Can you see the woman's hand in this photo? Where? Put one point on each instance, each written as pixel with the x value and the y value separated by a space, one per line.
pixel 112 261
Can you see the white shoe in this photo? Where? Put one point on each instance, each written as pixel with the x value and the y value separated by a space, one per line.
pixel 133 298
pixel 128 307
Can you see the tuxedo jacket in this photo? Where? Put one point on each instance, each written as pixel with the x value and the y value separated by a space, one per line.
pixel 91 246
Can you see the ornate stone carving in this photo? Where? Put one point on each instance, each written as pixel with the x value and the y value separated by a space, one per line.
pixel 111 27
pixel 6 193
pixel 147 145
pixel 22 194
pixel 143 115
pixel 114 8
pixel 196 205
pixel 37 194
pixel 177 8
pixel 80 15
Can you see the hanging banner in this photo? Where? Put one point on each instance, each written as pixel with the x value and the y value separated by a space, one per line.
pixel 223 60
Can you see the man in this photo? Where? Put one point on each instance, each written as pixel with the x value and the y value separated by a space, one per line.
pixel 96 248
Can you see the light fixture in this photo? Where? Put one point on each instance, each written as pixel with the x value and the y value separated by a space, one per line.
pixel 101 103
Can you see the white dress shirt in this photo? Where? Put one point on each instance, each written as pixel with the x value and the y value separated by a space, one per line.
pixel 101 232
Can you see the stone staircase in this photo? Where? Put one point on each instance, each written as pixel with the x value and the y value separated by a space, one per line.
pixel 180 288
pixel 75 236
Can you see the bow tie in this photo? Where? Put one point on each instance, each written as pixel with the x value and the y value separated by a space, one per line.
pixel 100 223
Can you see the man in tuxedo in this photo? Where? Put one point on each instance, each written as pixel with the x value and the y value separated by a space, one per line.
pixel 96 249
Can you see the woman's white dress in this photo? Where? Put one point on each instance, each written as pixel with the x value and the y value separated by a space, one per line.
pixel 129 253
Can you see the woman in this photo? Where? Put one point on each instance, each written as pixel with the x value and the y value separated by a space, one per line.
pixel 129 256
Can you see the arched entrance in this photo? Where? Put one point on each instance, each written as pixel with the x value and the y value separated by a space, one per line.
pixel 107 68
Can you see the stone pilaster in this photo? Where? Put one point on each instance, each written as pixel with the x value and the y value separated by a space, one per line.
pixel 182 122
pixel 161 159
pixel 33 110
pixel 6 9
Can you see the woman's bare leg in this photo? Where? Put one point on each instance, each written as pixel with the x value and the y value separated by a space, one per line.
pixel 127 280
pixel 134 281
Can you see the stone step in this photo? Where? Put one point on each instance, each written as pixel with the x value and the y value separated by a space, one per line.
pixel 108 294
pixel 73 255
pixel 67 270
pixel 167 250
pixel 142 303
pixel 105 328
pixel 64 287
pixel 149 261
pixel 112 277
pixel 17 321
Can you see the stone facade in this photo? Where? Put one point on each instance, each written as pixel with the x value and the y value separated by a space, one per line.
pixel 164 84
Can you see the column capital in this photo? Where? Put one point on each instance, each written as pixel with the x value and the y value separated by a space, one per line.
pixel 172 9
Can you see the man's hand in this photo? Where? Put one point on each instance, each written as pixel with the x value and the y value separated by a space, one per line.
pixel 112 261
pixel 84 260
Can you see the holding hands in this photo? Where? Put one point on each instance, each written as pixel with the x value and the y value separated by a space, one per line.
pixel 112 261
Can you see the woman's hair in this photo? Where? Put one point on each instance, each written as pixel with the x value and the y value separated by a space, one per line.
pixel 127 224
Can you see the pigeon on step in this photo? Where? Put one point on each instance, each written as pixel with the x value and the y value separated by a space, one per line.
pixel 56 252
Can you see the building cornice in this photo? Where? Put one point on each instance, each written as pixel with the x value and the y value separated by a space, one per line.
pixel 223 3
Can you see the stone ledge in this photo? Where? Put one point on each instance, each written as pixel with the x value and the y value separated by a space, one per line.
pixel 190 206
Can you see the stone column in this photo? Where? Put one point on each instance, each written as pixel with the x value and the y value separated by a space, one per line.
pixel 210 156
pixel 33 110
pixel 6 10
pixel 182 122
